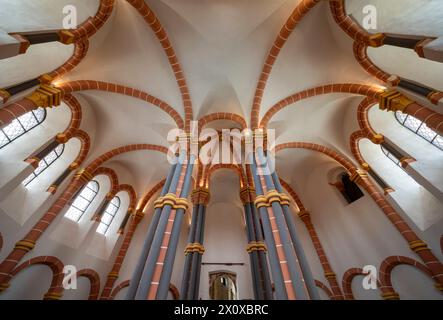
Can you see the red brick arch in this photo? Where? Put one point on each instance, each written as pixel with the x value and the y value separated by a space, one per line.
pixel 354 144
pixel 390 263
pixel 53 263
pixel 76 111
pixel 230 166
pixel 80 50
pixel 341 159
pixel 352 28
pixel 353 88
pixel 152 20
pixel 83 85
pixel 222 116
pixel 124 149
pixel 85 141
pixel 361 55
pixel 348 276
pixel 324 287
pixel 174 291
pixel 148 195
pixel 296 16
pixel 110 173
pixel 118 288
pixel 131 193
pixel 89 27
pixel 94 279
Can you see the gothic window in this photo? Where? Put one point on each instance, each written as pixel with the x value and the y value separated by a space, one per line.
pixel 109 215
pixel 82 201
pixel 420 128
pixel 21 125
pixel 45 163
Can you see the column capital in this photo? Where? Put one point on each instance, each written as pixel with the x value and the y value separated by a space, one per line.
pixel 109 196
pixel 61 138
pixel 387 190
pixel 84 175
pixel 256 246
pixel 194 247
pixel 365 166
pixel 46 79
pixel 406 160
pixel 46 96
pixel 73 166
pixel 376 40
pixel 52 189
pixel 377 138
pixel 4 96
pixel 200 195
pixel 271 196
pixel 392 100
pixel 66 36
pixel 172 200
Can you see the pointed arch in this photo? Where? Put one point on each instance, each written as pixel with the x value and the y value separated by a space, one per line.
pixel 94 279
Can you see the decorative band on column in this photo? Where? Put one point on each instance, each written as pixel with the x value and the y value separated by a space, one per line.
pixel 418 245
pixel 52 296
pixel 439 287
pixel 391 295
pixel 172 200
pixel 26 245
pixel 194 247
pixel 271 196
pixel 4 286
pixel 200 196
pixel 330 275
pixel 256 246
pixel 358 175
pixel 247 194
pixel 304 214
pixel 139 214
pixel 84 175
pixel 113 275
pixel 392 100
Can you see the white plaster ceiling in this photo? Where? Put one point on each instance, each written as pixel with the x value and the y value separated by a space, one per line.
pixel 221 46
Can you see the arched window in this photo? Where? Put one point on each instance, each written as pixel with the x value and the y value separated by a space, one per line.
pixel 420 128
pixel 109 215
pixel 391 156
pixel 82 201
pixel 21 125
pixel 45 163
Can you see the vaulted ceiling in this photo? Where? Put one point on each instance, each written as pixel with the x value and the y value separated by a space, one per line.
pixel 221 47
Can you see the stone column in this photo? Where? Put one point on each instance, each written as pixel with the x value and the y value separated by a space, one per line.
pixel 195 249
